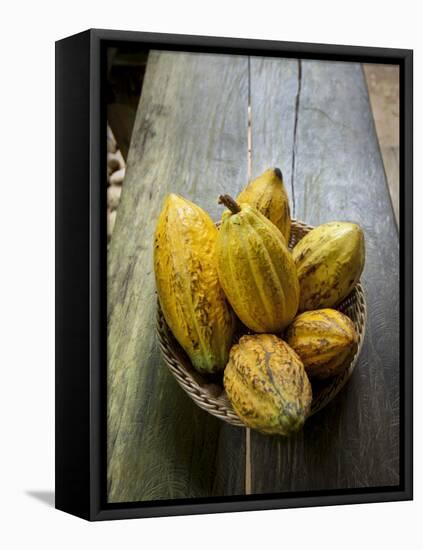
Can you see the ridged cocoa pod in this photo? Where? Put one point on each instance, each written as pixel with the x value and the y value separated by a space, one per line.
pixel 190 295
pixel 267 385
pixel 268 195
pixel 329 261
pixel 256 269
pixel 324 340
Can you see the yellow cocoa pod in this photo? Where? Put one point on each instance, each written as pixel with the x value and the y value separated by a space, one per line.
pixel 324 340
pixel 268 195
pixel 329 261
pixel 267 385
pixel 190 295
pixel 256 269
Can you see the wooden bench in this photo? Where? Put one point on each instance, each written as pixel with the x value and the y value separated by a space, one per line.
pixel 191 136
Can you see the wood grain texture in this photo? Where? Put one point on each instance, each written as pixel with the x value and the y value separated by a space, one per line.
pixel 354 442
pixel 189 137
pixel 273 90
pixel 383 84
pixel 313 120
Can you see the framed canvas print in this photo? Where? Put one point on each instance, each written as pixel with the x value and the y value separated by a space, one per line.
pixel 233 274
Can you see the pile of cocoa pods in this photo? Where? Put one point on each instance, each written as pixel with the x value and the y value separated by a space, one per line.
pixel 116 167
pixel 244 277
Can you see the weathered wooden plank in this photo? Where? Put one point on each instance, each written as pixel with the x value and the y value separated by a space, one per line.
pixel 383 84
pixel 190 137
pixel 354 442
pixel 273 91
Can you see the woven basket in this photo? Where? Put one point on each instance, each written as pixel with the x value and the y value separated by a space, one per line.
pixel 210 395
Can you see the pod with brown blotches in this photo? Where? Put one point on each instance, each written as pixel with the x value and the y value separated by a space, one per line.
pixel 256 269
pixel 268 195
pixel 324 339
pixel 190 295
pixel 267 385
pixel 329 261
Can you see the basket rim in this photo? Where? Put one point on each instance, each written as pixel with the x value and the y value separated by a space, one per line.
pixel 219 405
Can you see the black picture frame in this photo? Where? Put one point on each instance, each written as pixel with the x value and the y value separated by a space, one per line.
pixel 81 273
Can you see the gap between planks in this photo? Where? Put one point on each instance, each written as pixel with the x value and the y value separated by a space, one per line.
pixel 294 139
pixel 248 472
pixel 249 160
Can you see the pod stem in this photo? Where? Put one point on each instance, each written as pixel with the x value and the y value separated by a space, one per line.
pixel 229 202
pixel 278 173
